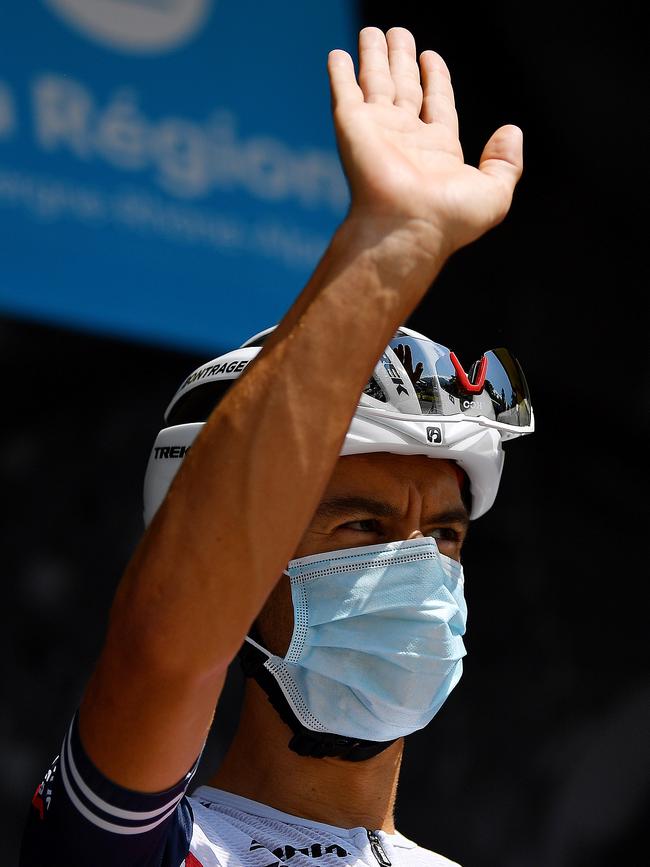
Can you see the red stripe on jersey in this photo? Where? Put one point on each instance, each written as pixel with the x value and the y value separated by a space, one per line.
pixel 192 861
pixel 37 801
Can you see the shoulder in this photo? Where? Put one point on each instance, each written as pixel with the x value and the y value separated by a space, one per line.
pixel 80 817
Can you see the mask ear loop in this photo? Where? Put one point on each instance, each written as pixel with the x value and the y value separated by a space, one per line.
pixel 254 629
pixel 304 742
pixel 258 646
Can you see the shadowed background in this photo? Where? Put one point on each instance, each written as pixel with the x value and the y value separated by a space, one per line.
pixel 540 756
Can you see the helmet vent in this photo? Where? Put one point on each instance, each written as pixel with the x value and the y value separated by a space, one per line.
pixel 197 404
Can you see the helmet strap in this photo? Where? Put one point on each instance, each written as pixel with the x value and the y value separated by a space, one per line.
pixel 304 741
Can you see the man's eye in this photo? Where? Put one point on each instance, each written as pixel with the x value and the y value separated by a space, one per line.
pixel 369 525
pixel 447 534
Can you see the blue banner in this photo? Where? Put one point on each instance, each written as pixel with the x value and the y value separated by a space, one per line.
pixel 168 169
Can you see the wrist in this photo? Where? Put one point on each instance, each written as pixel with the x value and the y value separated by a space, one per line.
pixel 409 252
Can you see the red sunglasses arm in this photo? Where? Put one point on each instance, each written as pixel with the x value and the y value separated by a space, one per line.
pixel 463 379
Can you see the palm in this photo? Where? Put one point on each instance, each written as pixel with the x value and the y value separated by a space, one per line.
pixel 397 132
pixel 392 151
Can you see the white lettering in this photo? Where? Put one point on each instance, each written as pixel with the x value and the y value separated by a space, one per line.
pixel 267 169
pixel 188 159
pixel 183 158
pixel 62 113
pixel 121 135
pixel 49 198
pixel 53 198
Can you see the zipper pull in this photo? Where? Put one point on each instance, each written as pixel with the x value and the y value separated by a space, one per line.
pixel 378 849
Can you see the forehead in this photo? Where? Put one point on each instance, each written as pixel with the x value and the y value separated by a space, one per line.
pixel 388 474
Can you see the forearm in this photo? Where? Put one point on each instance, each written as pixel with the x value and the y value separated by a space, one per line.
pixel 245 494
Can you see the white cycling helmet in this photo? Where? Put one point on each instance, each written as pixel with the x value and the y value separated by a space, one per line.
pixel 419 400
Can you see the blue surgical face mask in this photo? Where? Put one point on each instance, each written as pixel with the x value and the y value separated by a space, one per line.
pixel 376 646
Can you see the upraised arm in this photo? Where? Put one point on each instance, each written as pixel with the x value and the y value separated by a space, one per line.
pixel 246 492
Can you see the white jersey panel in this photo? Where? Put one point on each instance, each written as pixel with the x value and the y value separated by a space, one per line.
pixel 230 830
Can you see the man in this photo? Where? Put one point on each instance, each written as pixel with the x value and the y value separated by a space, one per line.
pixel 343 571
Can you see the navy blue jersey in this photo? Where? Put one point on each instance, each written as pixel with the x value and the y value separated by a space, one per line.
pixel 79 818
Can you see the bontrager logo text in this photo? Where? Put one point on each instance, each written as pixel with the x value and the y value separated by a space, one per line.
pixel 215 370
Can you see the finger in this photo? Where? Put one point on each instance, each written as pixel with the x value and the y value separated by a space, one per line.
pixel 418 371
pixel 374 71
pixel 438 105
pixel 343 82
pixel 503 159
pixel 404 69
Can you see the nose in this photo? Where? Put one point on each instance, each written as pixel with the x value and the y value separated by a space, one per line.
pixel 416 534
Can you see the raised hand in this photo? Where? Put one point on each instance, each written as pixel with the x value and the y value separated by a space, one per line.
pixel 397 132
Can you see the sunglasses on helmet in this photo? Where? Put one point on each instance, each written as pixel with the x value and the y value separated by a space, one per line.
pixel 420 377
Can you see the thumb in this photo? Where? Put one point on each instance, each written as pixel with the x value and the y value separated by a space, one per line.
pixel 502 156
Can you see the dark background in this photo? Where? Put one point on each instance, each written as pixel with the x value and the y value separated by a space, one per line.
pixel 541 755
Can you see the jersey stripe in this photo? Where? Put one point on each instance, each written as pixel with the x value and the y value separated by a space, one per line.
pixel 102 823
pixel 104 806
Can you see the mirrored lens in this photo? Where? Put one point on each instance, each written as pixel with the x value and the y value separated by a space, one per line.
pixel 460 400
pixel 424 369
pixel 506 385
pixel 504 397
pixel 418 359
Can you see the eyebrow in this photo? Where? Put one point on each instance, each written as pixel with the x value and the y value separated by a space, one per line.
pixel 337 507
